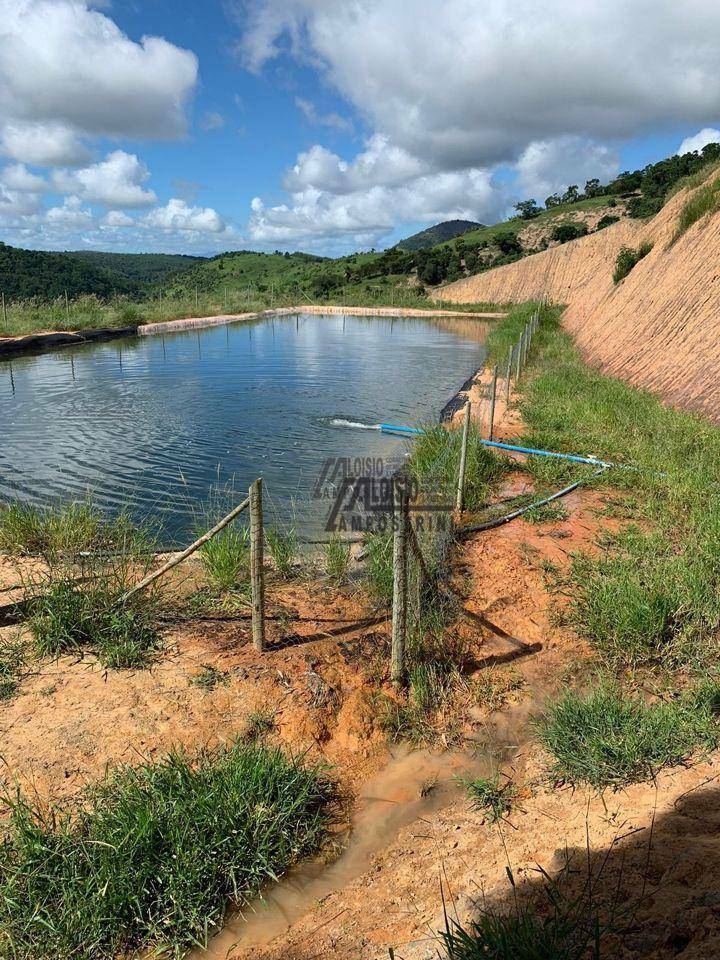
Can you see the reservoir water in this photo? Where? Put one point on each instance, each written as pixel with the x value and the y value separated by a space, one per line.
pixel 154 424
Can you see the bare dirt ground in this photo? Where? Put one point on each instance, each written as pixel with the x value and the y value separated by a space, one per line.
pixel 416 838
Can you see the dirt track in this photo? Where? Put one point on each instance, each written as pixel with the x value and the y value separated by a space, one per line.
pixel 659 328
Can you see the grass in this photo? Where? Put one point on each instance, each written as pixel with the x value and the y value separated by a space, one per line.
pixel 12 662
pixel 64 531
pixel 225 559
pixel 703 201
pixel 283 547
pixel 546 513
pixel 151 856
pixel 337 560
pixel 70 617
pixel 434 463
pixel 606 738
pixel 259 724
pixel 652 595
pixel 209 677
pixel 491 797
pixel 379 566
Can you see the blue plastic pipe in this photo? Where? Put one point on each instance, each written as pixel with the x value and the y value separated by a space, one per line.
pixel 593 461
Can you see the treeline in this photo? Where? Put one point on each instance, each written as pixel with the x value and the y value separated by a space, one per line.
pixel 25 274
pixel 139 268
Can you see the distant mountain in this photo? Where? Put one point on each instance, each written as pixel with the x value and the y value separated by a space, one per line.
pixel 139 267
pixel 437 234
pixel 35 273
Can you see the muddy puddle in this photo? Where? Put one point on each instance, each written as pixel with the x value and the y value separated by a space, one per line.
pixel 412 786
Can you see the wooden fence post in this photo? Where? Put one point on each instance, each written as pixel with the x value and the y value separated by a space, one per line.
pixel 507 375
pixel 463 459
pixel 257 578
pixel 399 611
pixel 493 398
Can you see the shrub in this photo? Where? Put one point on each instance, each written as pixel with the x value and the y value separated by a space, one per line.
pixel 607 221
pixel 150 856
pixel 702 202
pixel 565 232
pixel 605 739
pixel 627 258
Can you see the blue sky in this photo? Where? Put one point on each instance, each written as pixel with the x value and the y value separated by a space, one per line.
pixel 330 125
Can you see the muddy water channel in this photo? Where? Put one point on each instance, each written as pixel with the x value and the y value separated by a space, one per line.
pixel 413 786
pixel 152 424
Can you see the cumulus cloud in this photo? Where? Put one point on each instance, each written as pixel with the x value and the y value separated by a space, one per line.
pixel 67 71
pixel 115 182
pixel 116 219
pixel 177 215
pixel 465 84
pixel 309 111
pixel 701 139
pixel 546 166
pixel 18 177
pixel 71 215
pixel 42 144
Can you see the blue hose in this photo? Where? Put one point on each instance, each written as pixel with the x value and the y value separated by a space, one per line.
pixel 593 461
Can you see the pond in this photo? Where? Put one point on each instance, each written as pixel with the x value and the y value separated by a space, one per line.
pixel 155 424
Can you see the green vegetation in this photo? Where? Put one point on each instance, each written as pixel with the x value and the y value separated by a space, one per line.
pixel 209 677
pixel 64 531
pixel 259 724
pixel 569 931
pixel 226 558
pixel 547 513
pixel 607 738
pixel 337 560
pixel 151 856
pixel 447 230
pixel 283 547
pixel 703 201
pixel 139 268
pixel 72 617
pixel 379 566
pixel 627 258
pixel 12 662
pixel 491 797
pixel 34 273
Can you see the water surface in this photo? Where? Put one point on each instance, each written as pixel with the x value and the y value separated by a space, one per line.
pixel 152 424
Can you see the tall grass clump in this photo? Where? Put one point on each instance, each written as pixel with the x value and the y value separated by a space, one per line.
pixel 337 560
pixel 283 547
pixel 151 856
pixel 64 531
pixel 607 738
pixel 434 463
pixel 226 558
pixel 703 201
pixel 12 661
pixel 379 566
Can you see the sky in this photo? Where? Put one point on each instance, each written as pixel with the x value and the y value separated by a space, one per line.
pixel 330 125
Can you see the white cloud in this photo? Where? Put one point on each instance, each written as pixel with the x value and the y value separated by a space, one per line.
pixel 364 216
pixel 115 219
pixel 212 121
pixel 462 83
pixel 701 139
pixel 42 144
pixel 546 166
pixel 18 177
pixel 178 216
pixel 67 71
pixel 309 111
pixel 114 182
pixel 71 215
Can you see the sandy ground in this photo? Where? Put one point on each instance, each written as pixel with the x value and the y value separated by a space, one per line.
pixel 416 839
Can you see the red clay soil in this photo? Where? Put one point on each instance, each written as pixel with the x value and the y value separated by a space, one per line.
pixel 658 328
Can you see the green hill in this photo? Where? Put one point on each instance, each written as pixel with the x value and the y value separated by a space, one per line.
pixel 35 273
pixel 139 267
pixel 441 232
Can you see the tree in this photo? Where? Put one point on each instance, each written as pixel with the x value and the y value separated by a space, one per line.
pixel 569 231
pixel 528 209
pixel 553 201
pixel 593 188
pixel 507 243
pixel 571 195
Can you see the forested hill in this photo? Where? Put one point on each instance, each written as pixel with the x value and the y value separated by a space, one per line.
pixel 35 273
pixel 139 267
pixel 446 230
